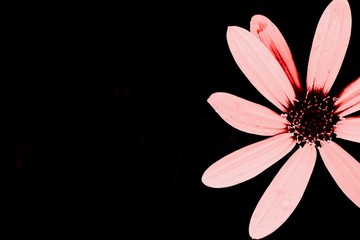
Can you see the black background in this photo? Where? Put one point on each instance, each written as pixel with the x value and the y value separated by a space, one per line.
pixel 113 131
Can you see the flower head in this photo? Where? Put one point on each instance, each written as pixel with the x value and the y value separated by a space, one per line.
pixel 308 118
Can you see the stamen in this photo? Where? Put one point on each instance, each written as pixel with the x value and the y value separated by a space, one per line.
pixel 312 119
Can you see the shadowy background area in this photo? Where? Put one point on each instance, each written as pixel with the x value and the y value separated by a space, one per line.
pixel 113 131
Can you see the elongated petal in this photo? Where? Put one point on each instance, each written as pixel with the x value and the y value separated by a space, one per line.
pixel 344 169
pixel 329 46
pixel 247 116
pixel 272 38
pixel 349 99
pixel 283 194
pixel 247 162
pixel 349 129
pixel 260 67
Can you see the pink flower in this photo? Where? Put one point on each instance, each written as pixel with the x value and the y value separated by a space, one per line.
pixel 308 118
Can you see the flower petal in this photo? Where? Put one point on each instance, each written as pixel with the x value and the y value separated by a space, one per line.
pixel 248 161
pixel 329 46
pixel 348 129
pixel 271 37
pixel 260 67
pixel 283 194
pixel 344 169
pixel 349 99
pixel 247 116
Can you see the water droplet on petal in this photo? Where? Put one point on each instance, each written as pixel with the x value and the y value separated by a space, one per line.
pixel 285 204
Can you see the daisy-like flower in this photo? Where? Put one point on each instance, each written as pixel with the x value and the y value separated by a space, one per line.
pixel 308 116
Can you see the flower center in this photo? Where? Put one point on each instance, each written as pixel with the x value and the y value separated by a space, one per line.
pixel 312 119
